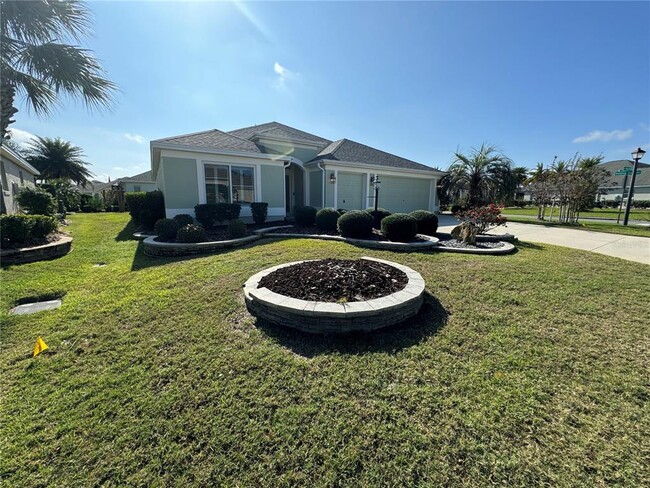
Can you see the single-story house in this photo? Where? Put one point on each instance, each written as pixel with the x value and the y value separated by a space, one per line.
pixel 16 174
pixel 140 182
pixel 612 189
pixel 286 168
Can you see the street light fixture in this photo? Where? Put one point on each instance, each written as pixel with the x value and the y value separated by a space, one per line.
pixel 636 155
pixel 377 184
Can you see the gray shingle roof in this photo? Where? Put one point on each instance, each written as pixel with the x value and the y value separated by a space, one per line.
pixel 614 181
pixel 279 130
pixel 214 139
pixel 142 177
pixel 347 150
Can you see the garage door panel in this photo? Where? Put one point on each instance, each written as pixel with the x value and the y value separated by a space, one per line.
pixel 350 191
pixel 404 194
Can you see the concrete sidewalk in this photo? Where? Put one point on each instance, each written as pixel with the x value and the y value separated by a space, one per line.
pixel 630 248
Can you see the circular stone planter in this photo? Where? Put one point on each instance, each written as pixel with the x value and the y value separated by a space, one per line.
pixel 155 248
pixel 328 317
pixel 428 243
pixel 51 250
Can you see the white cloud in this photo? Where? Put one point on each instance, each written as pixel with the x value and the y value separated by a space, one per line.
pixel 134 137
pixel 604 136
pixel 21 137
pixel 284 75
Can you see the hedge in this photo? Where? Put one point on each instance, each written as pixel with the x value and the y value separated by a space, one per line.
pixel 326 219
pixel 166 229
pixel 208 214
pixel 399 227
pixel 184 219
pixel 190 234
pixel 427 222
pixel 305 216
pixel 146 208
pixel 19 229
pixel 355 223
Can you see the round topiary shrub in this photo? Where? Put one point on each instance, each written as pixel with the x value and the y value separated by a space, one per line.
pixel 326 219
pixel 184 219
pixel 355 223
pixel 259 211
pixel 191 234
pixel 305 216
pixel 427 222
pixel 378 216
pixel 237 229
pixel 15 229
pixel 399 227
pixel 43 225
pixel 166 229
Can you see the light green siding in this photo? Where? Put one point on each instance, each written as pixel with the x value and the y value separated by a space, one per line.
pixel 329 191
pixel 349 193
pixel 272 185
pixel 289 150
pixel 180 182
pixel 316 188
pixel 403 194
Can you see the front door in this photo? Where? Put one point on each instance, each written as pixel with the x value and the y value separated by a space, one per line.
pixel 288 193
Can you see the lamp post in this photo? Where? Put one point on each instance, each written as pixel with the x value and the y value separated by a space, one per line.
pixel 636 155
pixel 377 184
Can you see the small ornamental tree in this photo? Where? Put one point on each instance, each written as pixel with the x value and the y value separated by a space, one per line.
pixel 483 218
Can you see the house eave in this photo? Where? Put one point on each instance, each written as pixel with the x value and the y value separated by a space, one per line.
pixel 18 160
pixel 376 167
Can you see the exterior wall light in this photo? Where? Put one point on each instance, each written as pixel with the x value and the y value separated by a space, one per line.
pixel 332 178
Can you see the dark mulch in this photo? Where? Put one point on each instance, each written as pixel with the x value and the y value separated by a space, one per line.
pixel 313 230
pixel 6 245
pixel 336 280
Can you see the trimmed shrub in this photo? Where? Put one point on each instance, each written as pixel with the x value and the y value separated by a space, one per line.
pixel 166 229
pixel 399 227
pixel 191 233
pixel 36 201
pixel 355 223
pixel 379 216
pixel 208 214
pixel 135 202
pixel 184 219
pixel 427 222
pixel 341 211
pixel 237 228
pixel 146 208
pixel 18 229
pixel 43 225
pixel 260 211
pixel 15 229
pixel 326 219
pixel 305 216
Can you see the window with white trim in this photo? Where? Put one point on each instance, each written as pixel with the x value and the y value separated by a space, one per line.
pixel 229 184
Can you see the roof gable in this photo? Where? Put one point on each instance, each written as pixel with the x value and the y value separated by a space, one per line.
pixel 347 150
pixel 275 129
pixel 214 139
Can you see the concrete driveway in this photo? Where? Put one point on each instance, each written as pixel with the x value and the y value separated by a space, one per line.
pixel 631 248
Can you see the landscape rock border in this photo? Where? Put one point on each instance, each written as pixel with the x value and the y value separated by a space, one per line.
pixel 44 252
pixel 162 249
pixel 326 317
pixel 506 248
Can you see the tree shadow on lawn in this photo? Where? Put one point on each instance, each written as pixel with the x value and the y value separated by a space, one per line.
pixel 429 320
pixel 527 245
pixel 126 234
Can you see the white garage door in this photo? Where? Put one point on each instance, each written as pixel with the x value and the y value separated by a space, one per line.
pixel 404 194
pixel 350 191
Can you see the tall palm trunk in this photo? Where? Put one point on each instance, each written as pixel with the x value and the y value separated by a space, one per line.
pixel 7 97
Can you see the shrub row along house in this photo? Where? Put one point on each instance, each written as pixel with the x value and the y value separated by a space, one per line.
pixel 287 168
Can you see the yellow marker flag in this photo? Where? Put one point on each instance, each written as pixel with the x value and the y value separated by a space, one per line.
pixel 40 346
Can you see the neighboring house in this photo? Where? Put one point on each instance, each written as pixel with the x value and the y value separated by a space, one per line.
pixel 286 168
pixel 140 182
pixel 16 174
pixel 613 188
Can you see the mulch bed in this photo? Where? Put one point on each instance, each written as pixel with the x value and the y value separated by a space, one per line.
pixel 455 243
pixel 6 246
pixel 336 280
pixel 313 230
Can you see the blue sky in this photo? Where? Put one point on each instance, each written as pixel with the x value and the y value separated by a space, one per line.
pixel 418 79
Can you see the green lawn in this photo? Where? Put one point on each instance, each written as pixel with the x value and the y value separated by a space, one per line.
pixel 596 213
pixel 522 370
pixel 596 226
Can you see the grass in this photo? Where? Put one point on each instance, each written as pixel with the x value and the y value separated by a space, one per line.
pixel 527 369
pixel 607 227
pixel 596 213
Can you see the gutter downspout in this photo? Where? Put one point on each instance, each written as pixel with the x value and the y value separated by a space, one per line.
pixel 323 195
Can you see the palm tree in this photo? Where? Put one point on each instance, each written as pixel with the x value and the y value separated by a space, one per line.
pixel 58 159
pixel 38 61
pixel 483 174
pixel 520 173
